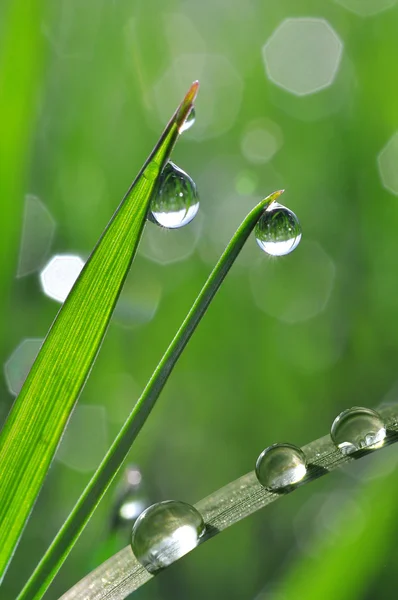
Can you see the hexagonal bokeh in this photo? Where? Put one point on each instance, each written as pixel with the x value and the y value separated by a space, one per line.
pixel 261 140
pixel 367 8
pixel 387 162
pixel 219 100
pixel 288 289
pixel 303 55
pixel 17 367
pixel 37 233
pixel 59 275
pixel 166 246
pixel 85 440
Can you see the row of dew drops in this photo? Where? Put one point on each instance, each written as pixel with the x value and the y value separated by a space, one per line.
pixel 278 231
pixel 166 531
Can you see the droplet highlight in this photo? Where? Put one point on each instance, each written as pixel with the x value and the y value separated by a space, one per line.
pixel 358 428
pixel 177 201
pixel 189 121
pixel 281 465
pixel 278 231
pixel 165 532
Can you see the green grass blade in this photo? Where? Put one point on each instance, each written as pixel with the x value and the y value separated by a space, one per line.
pixel 34 427
pixel 122 574
pixel 73 526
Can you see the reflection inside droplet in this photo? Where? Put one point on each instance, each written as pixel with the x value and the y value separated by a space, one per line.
pixel 278 231
pixel 358 428
pixel 281 465
pixel 165 532
pixel 177 201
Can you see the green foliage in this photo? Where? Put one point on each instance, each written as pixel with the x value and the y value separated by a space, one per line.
pixel 34 428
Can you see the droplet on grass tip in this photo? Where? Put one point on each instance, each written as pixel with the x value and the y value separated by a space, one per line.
pixel 177 201
pixel 358 428
pixel 280 465
pixel 165 532
pixel 278 231
pixel 189 121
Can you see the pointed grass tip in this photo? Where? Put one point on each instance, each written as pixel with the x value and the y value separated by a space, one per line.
pixel 187 104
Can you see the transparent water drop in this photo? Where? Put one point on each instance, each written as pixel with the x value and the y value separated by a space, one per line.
pixel 177 201
pixel 278 232
pixel 358 428
pixel 280 465
pixel 189 121
pixel 165 532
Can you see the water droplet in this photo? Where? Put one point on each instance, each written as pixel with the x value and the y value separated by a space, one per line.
pixel 151 171
pixel 358 428
pixel 278 232
pixel 177 202
pixel 165 532
pixel 280 465
pixel 189 121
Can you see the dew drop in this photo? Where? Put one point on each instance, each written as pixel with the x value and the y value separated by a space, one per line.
pixel 358 428
pixel 278 231
pixel 189 121
pixel 177 201
pixel 165 532
pixel 280 465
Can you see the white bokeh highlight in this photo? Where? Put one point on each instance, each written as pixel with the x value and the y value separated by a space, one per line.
pixel 388 164
pixel 59 275
pixel 18 365
pixel 303 55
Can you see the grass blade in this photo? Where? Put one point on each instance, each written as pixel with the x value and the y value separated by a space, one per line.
pixel 122 574
pixel 73 526
pixel 34 427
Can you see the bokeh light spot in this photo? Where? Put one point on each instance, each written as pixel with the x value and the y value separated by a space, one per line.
pixel 297 288
pixel 367 8
pixel 218 103
pixel 17 367
pixel 37 234
pixel 387 162
pixel 59 275
pixel 85 440
pixel 303 55
pixel 261 141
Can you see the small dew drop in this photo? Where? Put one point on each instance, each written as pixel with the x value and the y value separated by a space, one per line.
pixel 177 201
pixel 280 465
pixel 358 428
pixel 189 121
pixel 278 231
pixel 165 532
pixel 151 171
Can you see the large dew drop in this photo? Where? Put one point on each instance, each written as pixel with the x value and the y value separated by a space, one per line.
pixel 278 232
pixel 358 428
pixel 189 121
pixel 177 201
pixel 280 465
pixel 165 532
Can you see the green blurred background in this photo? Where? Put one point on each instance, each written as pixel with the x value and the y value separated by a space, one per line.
pixel 308 104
